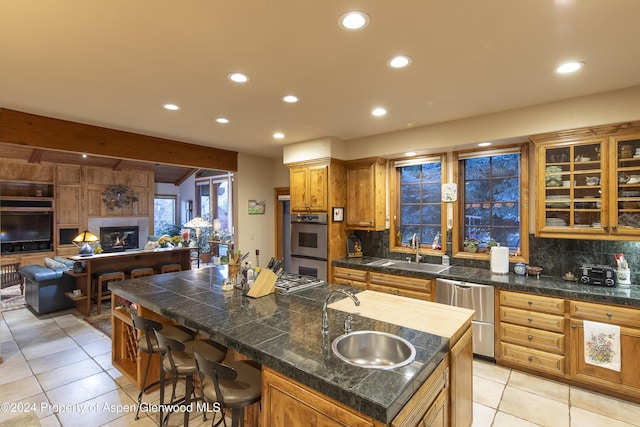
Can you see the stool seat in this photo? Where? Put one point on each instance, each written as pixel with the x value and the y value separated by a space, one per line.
pixel 102 292
pixel 140 272
pixel 170 331
pixel 170 268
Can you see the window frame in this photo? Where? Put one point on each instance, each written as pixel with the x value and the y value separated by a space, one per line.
pixel 176 214
pixel 425 248
pixel 458 210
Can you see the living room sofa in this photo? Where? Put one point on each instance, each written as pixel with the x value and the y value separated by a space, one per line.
pixel 44 286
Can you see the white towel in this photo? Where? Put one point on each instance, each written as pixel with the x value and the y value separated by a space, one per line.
pixel 602 345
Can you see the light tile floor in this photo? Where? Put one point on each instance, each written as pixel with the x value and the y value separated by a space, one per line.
pixel 61 367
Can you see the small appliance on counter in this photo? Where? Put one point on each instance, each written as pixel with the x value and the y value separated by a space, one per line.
pixel 599 275
pixel 354 247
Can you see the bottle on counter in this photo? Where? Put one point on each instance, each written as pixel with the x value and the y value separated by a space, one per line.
pixel 398 238
pixel 251 274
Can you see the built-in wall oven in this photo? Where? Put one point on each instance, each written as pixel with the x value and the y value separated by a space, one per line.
pixel 476 297
pixel 309 245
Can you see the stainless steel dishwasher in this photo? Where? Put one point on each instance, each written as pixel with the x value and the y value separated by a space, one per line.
pixel 476 297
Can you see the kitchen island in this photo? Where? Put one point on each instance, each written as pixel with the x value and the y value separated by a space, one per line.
pixel 283 333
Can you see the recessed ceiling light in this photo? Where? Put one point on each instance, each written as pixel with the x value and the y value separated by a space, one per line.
pixel 399 61
pixel 290 99
pixel 278 135
pixel 379 111
pixel 84 156
pixel 569 67
pixel 354 21
pixel 222 120
pixel 172 107
pixel 238 77
pixel 484 144
pixel 410 153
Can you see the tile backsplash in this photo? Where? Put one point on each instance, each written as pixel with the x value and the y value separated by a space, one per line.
pixel 555 256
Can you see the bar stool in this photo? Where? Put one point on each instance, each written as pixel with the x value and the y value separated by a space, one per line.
pixel 235 386
pixel 170 268
pixel 178 362
pixel 102 292
pixel 148 343
pixel 141 272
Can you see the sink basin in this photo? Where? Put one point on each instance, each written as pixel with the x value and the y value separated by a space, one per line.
pixel 381 263
pixel 373 349
pixel 416 266
pixel 421 266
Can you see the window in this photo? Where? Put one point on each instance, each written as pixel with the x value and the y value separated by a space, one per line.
pixel 214 200
pixel 492 207
pixel 164 215
pixel 418 206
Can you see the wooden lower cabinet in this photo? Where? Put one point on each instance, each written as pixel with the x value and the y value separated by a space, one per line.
pixel 546 335
pixel 286 402
pixel 627 380
pixel 531 332
pixel 411 287
pixel 461 381
pixel 351 277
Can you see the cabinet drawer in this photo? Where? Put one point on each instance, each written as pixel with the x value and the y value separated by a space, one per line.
pixel 425 296
pixel 532 338
pixel 532 319
pixel 385 289
pixel 352 283
pixel 615 315
pixel 532 302
pixel 348 273
pixel 410 283
pixel 534 359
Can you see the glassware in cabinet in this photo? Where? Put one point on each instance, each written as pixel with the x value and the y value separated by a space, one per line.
pixel 626 200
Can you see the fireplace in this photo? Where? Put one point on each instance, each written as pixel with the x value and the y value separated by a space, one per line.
pixel 118 239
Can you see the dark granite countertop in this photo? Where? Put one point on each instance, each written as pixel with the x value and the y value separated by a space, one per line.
pixel 283 333
pixel 546 285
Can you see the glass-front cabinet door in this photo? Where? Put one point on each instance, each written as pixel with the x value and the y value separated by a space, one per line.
pixel 625 179
pixel 573 178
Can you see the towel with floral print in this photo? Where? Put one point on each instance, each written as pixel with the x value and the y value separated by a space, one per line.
pixel 602 345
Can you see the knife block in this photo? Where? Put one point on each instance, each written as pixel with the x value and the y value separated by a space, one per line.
pixel 265 284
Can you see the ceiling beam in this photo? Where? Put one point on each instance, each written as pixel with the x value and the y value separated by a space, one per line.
pixel 36 131
pixel 186 175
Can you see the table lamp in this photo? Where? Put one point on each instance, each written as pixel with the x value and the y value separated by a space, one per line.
pixel 197 223
pixel 84 241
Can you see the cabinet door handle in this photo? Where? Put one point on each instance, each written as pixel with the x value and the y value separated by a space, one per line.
pixel 574 326
pixel 530 338
pixel 609 315
pixel 530 319
pixel 530 358
pixel 606 228
pixel 614 227
pixel 530 302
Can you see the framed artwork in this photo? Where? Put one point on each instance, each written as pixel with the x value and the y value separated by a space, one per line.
pixel 338 214
pixel 256 207
pixel 449 192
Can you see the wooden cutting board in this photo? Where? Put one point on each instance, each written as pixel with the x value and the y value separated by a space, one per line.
pixel 438 319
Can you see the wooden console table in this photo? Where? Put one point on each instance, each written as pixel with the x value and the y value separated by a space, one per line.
pixel 121 261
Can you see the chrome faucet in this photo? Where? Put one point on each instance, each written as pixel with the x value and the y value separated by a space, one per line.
pixel 325 317
pixel 416 244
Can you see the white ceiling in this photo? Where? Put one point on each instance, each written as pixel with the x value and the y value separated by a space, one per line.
pixel 115 63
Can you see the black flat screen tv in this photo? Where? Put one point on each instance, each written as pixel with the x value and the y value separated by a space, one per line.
pixel 23 227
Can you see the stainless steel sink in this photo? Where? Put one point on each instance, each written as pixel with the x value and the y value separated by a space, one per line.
pixel 420 266
pixel 416 266
pixel 373 349
pixel 381 263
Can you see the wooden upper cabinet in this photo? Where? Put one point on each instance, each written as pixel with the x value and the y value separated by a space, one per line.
pixel 309 188
pixel 588 183
pixel 366 194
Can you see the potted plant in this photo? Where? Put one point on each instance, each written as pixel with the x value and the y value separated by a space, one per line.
pixel 204 245
pixel 471 245
pixel 491 243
